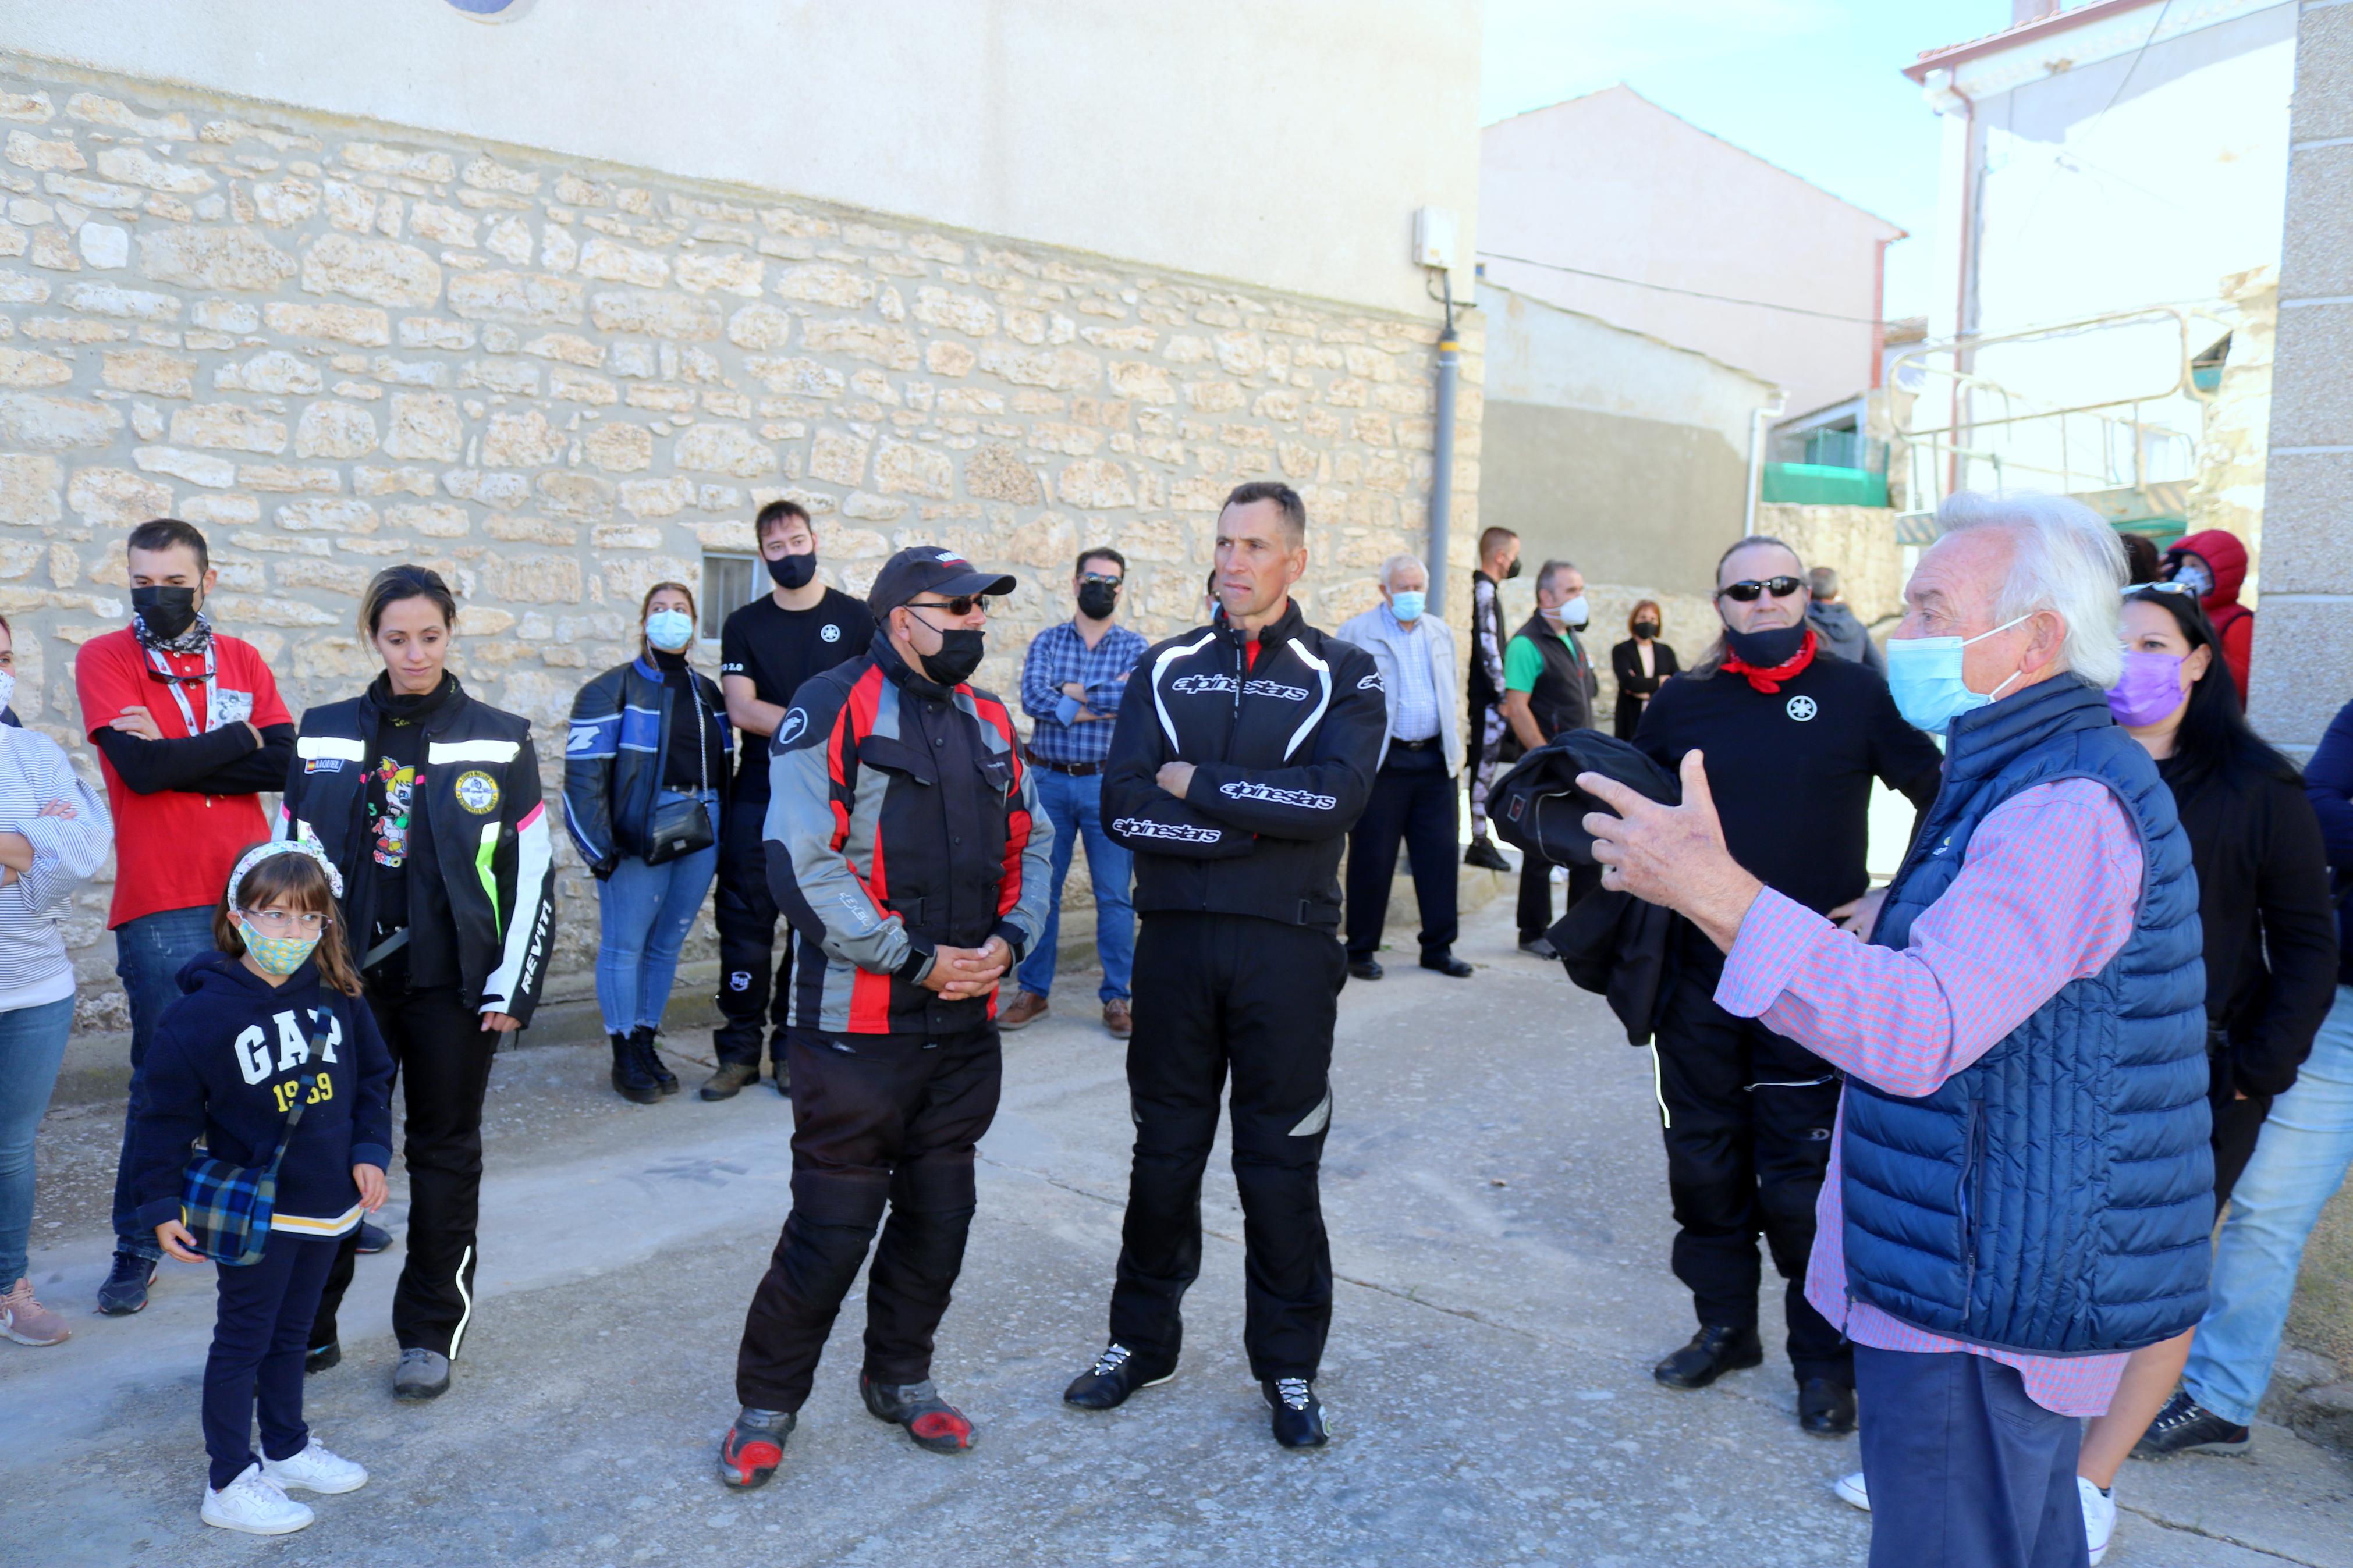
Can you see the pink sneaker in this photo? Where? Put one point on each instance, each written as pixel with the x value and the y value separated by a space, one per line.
pixel 27 1321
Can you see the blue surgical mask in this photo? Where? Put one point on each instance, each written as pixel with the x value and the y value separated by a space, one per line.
pixel 669 630
pixel 1406 605
pixel 1923 676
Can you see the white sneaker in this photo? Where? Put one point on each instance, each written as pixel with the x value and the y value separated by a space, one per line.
pixel 2099 1512
pixel 2099 1518
pixel 317 1468
pixel 254 1504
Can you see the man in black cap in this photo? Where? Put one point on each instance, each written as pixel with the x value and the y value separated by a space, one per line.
pixel 1245 751
pixel 905 845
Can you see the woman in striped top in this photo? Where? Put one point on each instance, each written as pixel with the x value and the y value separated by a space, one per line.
pixel 53 833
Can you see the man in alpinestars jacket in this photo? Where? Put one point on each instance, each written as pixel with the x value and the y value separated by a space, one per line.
pixel 905 845
pixel 1245 751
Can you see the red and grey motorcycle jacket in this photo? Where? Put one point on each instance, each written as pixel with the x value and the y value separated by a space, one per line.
pixel 900 818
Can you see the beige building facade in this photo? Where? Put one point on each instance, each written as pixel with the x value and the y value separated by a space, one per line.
pixel 1617 450
pixel 337 344
pixel 1611 205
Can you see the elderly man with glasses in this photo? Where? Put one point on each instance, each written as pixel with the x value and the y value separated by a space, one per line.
pixel 2022 1189
pixel 1794 743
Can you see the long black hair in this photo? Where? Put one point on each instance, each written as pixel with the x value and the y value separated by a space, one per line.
pixel 2214 742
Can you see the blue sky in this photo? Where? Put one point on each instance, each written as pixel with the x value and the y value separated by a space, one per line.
pixel 1810 85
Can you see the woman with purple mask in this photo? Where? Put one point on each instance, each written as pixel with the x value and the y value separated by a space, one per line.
pixel 2263 900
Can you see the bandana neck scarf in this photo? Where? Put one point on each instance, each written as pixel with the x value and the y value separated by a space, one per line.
pixel 1768 679
pixel 194 640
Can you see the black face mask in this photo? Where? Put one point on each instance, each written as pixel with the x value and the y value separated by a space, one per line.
pixel 959 655
pixel 166 612
pixel 1097 600
pixel 793 570
pixel 1767 648
pixel 1511 570
pixel 1646 630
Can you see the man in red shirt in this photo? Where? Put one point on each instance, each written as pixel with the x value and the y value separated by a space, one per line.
pixel 189 730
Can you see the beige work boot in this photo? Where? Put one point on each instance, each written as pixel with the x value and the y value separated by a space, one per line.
pixel 27 1321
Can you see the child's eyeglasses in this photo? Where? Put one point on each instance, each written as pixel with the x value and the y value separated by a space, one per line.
pixel 285 922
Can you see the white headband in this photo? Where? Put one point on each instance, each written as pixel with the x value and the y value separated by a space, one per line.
pixel 260 852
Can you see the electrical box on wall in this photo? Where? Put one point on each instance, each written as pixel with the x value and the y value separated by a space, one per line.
pixel 1433 237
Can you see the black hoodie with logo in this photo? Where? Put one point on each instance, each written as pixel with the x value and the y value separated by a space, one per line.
pixel 228 1060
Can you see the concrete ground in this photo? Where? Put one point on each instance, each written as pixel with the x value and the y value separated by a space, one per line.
pixel 1499 1225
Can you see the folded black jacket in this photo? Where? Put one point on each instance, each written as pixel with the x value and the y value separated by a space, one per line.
pixel 1538 807
pixel 1612 943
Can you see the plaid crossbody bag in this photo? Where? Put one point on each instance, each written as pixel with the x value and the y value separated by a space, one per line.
pixel 227 1207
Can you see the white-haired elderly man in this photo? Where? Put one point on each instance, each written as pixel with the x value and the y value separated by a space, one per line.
pixel 1413 798
pixel 2020 1189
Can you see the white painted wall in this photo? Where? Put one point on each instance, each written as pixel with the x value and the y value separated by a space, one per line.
pixel 1612 183
pixel 1284 146
pixel 2136 160
pixel 1538 354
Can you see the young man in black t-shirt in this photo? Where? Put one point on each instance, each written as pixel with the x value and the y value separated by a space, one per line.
pixel 765 651
pixel 1794 738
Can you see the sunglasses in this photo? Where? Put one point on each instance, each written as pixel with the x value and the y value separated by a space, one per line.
pixel 961 605
pixel 1099 577
pixel 1749 591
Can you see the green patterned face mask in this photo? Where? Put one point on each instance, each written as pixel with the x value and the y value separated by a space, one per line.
pixel 278 955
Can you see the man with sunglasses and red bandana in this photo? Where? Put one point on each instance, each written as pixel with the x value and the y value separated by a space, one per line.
pixel 1794 740
pixel 189 728
pixel 905 845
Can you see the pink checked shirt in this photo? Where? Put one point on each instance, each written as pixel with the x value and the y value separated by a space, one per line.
pixel 2046 895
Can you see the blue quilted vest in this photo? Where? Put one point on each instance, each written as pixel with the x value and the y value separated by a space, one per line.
pixel 2058 1195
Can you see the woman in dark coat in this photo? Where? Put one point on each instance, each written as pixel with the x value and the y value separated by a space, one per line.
pixel 2262 898
pixel 1641 664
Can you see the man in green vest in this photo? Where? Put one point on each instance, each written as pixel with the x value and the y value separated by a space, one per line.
pixel 1548 687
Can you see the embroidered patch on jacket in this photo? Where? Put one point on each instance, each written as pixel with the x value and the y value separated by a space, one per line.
pixel 477 791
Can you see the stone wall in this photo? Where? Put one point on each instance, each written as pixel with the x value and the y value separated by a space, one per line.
pixel 2228 492
pixel 2303 666
pixel 1859 542
pixel 335 346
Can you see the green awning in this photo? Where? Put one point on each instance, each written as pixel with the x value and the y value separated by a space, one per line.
pixel 1817 484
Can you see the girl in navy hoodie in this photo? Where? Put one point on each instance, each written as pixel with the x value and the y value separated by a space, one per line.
pixel 271 1020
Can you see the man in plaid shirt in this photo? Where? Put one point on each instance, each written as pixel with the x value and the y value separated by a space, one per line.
pixel 1070 684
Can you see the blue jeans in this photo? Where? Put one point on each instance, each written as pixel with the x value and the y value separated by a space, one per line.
pixel 643 915
pixel 1074 805
pixel 2299 1163
pixel 1965 1470
pixel 32 1044
pixel 148 954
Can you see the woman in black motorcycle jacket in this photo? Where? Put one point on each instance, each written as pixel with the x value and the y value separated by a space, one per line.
pixel 429 803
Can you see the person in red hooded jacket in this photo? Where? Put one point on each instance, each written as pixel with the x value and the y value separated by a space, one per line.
pixel 2215 563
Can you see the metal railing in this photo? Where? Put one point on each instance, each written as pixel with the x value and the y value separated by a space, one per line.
pixel 2039 444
